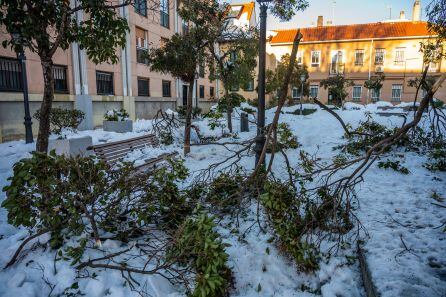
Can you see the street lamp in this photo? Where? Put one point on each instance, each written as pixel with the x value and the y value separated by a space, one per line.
pixel 22 59
pixel 302 81
pixel 260 139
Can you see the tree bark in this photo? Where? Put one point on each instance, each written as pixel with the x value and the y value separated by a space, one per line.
pixel 228 110
pixel 187 127
pixel 45 108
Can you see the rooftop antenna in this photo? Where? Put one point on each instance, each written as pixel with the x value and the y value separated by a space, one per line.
pixel 389 7
pixel 333 11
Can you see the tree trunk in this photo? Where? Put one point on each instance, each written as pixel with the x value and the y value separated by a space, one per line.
pixel 188 117
pixel 228 110
pixel 45 108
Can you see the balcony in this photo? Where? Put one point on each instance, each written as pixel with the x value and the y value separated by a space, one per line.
pixel 337 68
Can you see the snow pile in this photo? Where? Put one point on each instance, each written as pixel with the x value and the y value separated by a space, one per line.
pixel 404 246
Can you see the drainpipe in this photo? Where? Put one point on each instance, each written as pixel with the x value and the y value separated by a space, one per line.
pixel 370 69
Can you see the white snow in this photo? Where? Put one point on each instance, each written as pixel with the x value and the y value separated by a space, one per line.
pixel 404 248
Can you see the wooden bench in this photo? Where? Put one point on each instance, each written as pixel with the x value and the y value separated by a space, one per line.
pixel 112 152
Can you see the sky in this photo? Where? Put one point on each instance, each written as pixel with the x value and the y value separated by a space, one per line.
pixel 345 12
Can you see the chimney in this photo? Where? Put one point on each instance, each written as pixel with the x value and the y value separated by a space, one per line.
pixel 416 12
pixel 402 15
pixel 320 21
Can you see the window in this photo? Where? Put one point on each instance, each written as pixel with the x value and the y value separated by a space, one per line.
pixel 300 56
pixel 104 83
pixel 359 57
pixel 141 45
pixel 60 79
pixel 357 90
pixel 143 87
pixel 315 58
pixel 10 75
pixel 201 69
pixel 250 86
pixel 399 56
pixel 164 13
pixel 295 93
pixel 166 88
pixel 184 27
pixel 141 7
pixel 380 54
pixel 314 91
pixel 396 92
pixel 376 93
pixel 201 90
pixel 211 91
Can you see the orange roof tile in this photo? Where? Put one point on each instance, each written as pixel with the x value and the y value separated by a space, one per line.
pixel 356 31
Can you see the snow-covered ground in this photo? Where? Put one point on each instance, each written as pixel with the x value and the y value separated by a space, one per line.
pixel 404 248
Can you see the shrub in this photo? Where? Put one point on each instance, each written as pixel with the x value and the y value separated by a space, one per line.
pixel 216 119
pixel 199 246
pixel 196 111
pixel 63 118
pixel 395 165
pixel 366 135
pixel 437 157
pixel 225 191
pixel 116 115
pixel 305 111
pixel 285 139
pixel 235 100
pixel 283 211
pixel 83 196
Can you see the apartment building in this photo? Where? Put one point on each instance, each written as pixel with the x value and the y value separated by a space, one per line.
pixel 361 51
pixel 94 89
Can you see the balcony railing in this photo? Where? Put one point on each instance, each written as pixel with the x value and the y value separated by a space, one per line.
pixel 337 68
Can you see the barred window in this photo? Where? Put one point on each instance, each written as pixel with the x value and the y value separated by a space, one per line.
pixel 315 58
pixel 376 93
pixel 164 13
pixel 359 57
pixel 104 83
pixel 397 92
pixel 357 90
pixel 166 88
pixel 380 54
pixel 60 79
pixel 211 91
pixel 314 91
pixel 143 87
pixel 250 86
pixel 10 75
pixel 399 56
pixel 296 93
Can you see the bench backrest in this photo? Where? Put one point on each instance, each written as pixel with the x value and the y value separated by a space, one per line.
pixel 114 151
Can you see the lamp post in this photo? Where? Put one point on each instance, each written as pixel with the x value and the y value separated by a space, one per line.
pixel 28 122
pixel 260 139
pixel 302 81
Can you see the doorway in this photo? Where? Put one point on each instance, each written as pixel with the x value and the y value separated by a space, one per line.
pixel 185 91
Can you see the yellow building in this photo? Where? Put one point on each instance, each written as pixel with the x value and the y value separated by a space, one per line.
pixel 359 52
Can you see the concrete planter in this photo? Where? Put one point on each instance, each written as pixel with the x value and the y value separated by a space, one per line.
pixel 118 126
pixel 71 147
